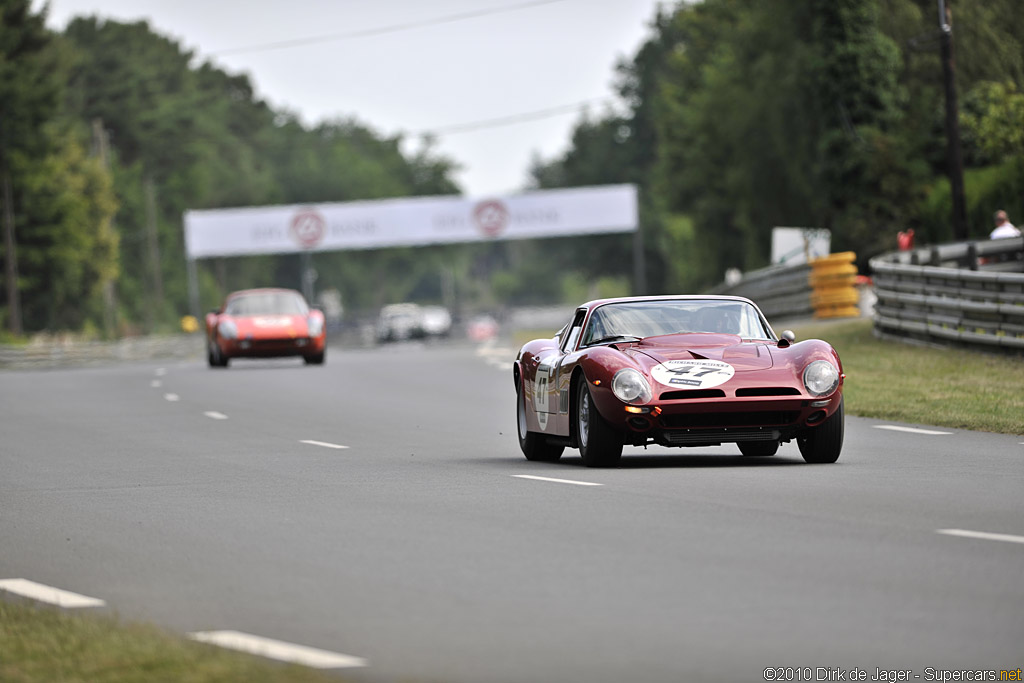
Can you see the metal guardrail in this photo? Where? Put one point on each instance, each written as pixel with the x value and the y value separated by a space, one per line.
pixel 779 291
pixel 58 353
pixel 966 294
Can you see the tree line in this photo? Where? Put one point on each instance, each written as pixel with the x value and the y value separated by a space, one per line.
pixel 734 116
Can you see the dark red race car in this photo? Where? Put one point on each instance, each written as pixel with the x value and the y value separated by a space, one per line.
pixel 265 323
pixel 676 371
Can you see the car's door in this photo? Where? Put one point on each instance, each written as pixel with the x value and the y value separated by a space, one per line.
pixel 551 384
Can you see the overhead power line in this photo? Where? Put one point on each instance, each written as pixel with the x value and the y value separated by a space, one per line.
pixel 514 118
pixel 394 28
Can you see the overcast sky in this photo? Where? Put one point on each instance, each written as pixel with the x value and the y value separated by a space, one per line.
pixel 429 67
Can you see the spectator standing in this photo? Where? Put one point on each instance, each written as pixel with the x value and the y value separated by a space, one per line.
pixel 1004 228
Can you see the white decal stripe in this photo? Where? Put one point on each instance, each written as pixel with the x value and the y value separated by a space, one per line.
pixel 557 481
pixel 984 535
pixel 322 443
pixel 44 593
pixel 276 649
pixel 910 430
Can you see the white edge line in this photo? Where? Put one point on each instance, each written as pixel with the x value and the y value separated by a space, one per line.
pixel 44 593
pixel 984 535
pixel 214 415
pixel 557 481
pixel 910 430
pixel 279 650
pixel 322 443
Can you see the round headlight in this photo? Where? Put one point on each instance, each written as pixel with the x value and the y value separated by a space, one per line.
pixel 821 378
pixel 629 386
pixel 315 325
pixel 228 329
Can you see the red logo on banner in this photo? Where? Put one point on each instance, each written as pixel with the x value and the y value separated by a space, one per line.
pixel 491 217
pixel 308 228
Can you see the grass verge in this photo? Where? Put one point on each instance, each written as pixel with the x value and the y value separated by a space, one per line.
pixel 45 644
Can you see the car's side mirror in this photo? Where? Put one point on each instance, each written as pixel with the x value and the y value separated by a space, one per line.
pixel 787 338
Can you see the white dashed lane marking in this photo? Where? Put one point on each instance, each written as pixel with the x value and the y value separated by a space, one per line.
pixel 156 384
pixel 281 651
pixel 214 415
pixel 49 594
pixel 324 444
pixel 160 372
pixel 983 535
pixel 172 397
pixel 910 430
pixel 557 481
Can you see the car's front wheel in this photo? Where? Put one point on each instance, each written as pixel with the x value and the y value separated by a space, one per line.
pixel 758 448
pixel 215 357
pixel 822 444
pixel 533 445
pixel 600 445
pixel 316 358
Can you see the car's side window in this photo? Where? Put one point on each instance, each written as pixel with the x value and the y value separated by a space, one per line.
pixel 573 334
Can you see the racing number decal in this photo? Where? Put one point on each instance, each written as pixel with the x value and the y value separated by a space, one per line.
pixel 696 374
pixel 541 393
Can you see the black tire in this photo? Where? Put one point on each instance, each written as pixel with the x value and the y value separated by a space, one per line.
pixel 215 357
pixel 533 445
pixel 758 448
pixel 822 444
pixel 316 358
pixel 599 444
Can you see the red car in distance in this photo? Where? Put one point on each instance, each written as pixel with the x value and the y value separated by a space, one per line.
pixel 265 323
pixel 676 371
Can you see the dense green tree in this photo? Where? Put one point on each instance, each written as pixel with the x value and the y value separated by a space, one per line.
pixel 29 95
pixel 60 198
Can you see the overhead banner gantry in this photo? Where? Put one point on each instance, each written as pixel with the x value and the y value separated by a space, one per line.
pixel 409 221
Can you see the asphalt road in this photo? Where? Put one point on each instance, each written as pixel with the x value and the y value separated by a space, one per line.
pixel 192 498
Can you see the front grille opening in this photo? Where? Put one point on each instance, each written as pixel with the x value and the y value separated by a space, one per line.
pixel 747 419
pixel 693 393
pixel 766 391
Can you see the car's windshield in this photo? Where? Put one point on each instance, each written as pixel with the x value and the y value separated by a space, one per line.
pixel 652 318
pixel 268 303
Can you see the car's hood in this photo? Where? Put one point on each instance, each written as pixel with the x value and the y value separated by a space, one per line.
pixel 743 356
pixel 271 326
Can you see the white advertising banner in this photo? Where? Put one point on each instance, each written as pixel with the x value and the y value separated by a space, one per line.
pixel 799 245
pixel 409 221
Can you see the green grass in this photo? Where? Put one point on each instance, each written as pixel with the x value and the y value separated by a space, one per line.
pixel 906 383
pixel 44 645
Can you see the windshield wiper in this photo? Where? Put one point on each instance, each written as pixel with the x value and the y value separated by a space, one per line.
pixel 615 338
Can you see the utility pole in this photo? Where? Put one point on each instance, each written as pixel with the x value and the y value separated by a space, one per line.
pixel 10 258
pixel 154 248
pixel 101 143
pixel 954 155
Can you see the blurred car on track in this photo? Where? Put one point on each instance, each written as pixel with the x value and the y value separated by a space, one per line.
pixel 399 322
pixel 265 323
pixel 436 321
pixel 482 328
pixel 676 371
